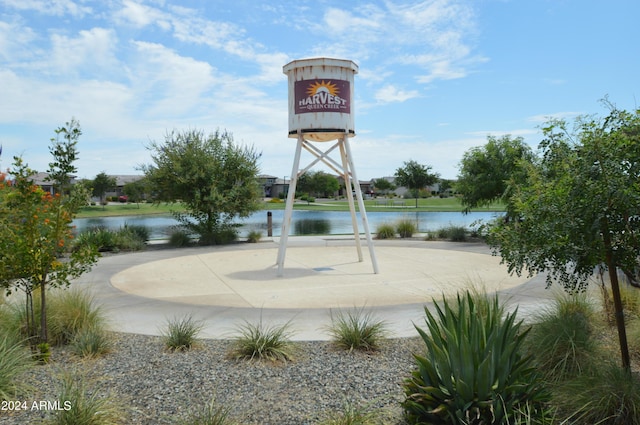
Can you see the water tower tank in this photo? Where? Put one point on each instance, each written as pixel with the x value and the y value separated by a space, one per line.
pixel 320 98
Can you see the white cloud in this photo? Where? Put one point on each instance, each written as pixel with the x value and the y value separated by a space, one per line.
pixel 93 49
pixel 49 7
pixel 139 15
pixel 390 93
pixel 542 118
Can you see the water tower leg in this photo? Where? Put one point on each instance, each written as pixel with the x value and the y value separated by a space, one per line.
pixel 288 211
pixel 363 212
pixel 352 208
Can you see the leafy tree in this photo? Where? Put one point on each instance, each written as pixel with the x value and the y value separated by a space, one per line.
pixel 415 176
pixel 485 172
pixel 383 185
pixel 136 190
pixel 214 178
pixel 318 183
pixel 35 237
pixel 101 184
pixel 578 209
pixel 64 153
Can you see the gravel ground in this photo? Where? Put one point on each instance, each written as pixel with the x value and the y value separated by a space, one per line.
pixel 149 385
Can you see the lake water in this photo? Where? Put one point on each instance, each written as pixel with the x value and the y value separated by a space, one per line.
pixel 303 222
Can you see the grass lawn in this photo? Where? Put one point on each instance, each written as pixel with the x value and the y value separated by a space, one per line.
pixel 429 204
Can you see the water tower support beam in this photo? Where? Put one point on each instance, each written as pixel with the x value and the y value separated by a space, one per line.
pixel 363 212
pixel 347 186
pixel 288 211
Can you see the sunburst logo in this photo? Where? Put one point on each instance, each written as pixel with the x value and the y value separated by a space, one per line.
pixel 323 87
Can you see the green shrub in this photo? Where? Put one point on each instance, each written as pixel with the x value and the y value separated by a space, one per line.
pixel 254 236
pixel 472 370
pixel 140 231
pixel 562 341
pixel 81 406
pixel 15 359
pixel 91 342
pixel 261 342
pixel 71 311
pixel 609 396
pixel 179 238
pixel 211 414
pixel 406 228
pixel 385 231
pixel 127 238
pixel 453 233
pixel 357 330
pixel 180 334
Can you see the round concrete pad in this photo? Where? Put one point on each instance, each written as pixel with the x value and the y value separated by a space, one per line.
pixel 314 277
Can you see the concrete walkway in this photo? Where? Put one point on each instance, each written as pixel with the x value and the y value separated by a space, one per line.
pixel 228 285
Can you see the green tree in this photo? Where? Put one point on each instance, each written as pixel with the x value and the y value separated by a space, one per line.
pixel 35 237
pixel 64 153
pixel 486 171
pixel 415 176
pixel 136 190
pixel 214 178
pixel 382 185
pixel 102 184
pixel 577 210
pixel 318 183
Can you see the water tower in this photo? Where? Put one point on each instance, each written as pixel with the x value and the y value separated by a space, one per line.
pixel 321 112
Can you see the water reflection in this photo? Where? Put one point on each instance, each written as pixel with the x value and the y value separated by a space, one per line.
pixel 302 222
pixel 312 226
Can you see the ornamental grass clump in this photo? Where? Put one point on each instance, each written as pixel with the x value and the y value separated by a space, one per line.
pixel 211 413
pixel 562 340
pixel 385 231
pixel 80 405
pixel 71 311
pixel 15 359
pixel 406 228
pixel 263 342
pixel 357 330
pixel 354 415
pixel 472 370
pixel 180 333
pixel 91 342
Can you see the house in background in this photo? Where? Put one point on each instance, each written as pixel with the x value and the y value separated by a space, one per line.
pixel 41 179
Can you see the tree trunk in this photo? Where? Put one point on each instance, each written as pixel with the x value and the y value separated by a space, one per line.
pixel 43 314
pixel 617 300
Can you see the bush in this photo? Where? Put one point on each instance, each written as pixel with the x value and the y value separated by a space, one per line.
pixel 356 330
pixel 254 236
pixel 80 406
pixel 14 360
pixel 179 238
pixel 385 231
pixel 452 233
pixel 561 340
pixel 406 228
pixel 260 342
pixel 127 238
pixel 472 367
pixel 181 333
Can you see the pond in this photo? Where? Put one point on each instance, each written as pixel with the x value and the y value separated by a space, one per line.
pixel 302 223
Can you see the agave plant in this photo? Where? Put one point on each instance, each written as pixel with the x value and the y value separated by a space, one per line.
pixel 472 372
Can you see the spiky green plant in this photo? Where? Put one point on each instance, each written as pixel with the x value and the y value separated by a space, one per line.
pixel 254 236
pixel 180 333
pixel 472 371
pixel 357 329
pixel 263 342
pixel 14 360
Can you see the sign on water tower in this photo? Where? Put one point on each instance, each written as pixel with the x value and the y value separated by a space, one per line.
pixel 320 110
pixel 320 98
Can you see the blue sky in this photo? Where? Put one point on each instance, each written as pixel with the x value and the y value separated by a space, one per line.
pixel 435 77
